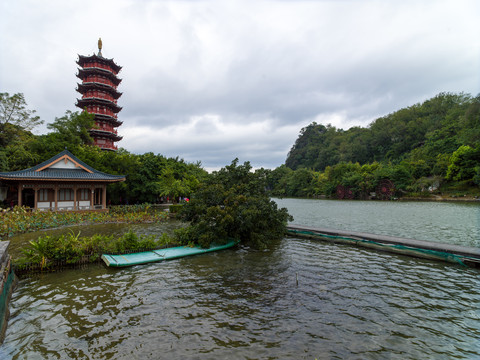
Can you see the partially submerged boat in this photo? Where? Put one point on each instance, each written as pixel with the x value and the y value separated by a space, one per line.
pixel 145 257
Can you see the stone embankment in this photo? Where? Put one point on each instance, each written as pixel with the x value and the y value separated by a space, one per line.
pixel 463 255
pixel 7 278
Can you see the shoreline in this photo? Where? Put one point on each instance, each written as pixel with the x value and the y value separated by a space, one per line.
pixel 433 198
pixel 441 199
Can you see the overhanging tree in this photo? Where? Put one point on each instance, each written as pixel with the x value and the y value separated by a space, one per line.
pixel 15 117
pixel 233 203
pixel 13 110
pixel 73 128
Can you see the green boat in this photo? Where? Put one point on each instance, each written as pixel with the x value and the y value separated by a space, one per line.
pixel 145 257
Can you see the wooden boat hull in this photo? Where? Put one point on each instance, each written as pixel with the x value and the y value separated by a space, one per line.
pixel 145 257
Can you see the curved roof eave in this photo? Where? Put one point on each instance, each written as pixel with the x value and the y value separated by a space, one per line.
pixel 83 58
pixel 64 179
pixel 35 173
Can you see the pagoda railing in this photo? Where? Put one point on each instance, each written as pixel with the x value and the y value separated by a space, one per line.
pixel 107 146
pixel 95 91
pixel 110 102
pixel 99 96
pixel 101 111
pixel 96 79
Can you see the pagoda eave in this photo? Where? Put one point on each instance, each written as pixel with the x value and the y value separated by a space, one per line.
pixel 107 118
pixel 83 59
pixel 81 103
pixel 83 73
pixel 105 134
pixel 83 88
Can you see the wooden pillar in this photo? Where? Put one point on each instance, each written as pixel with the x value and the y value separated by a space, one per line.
pixel 56 197
pixel 35 198
pixel 19 194
pixel 75 207
pixel 104 196
pixel 49 198
pixel 92 189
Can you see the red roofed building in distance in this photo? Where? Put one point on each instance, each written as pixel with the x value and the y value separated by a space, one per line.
pixel 99 96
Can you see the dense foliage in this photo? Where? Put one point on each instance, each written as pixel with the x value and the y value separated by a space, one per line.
pixel 439 125
pixel 233 204
pixel 430 146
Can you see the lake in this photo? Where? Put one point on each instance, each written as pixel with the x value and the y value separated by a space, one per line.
pixel 448 222
pixel 298 299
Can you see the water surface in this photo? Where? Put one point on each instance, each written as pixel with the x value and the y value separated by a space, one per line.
pixel 298 299
pixel 246 304
pixel 448 222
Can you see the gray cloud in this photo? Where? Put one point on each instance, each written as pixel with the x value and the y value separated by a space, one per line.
pixel 213 80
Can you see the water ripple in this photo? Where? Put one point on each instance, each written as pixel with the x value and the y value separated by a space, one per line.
pixel 300 299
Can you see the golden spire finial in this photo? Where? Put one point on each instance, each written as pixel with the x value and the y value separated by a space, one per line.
pixel 100 44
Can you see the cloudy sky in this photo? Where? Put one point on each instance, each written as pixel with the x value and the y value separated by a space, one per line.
pixel 214 80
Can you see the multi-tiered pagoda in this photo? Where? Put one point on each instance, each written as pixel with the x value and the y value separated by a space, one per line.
pixel 99 96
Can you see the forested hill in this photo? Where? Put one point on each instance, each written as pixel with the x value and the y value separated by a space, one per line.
pixel 429 132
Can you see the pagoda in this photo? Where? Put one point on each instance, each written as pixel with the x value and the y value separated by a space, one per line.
pixel 99 97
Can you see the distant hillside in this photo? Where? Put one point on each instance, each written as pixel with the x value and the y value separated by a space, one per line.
pixel 422 132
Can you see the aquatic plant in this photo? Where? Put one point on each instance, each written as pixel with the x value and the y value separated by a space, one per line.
pixel 48 252
pixel 21 219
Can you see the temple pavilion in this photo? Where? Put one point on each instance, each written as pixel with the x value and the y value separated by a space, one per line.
pixel 99 96
pixel 63 182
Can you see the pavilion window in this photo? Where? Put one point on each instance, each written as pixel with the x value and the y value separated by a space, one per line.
pixel 43 195
pixel 65 195
pixel 84 194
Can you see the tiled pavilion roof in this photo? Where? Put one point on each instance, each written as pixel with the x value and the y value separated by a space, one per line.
pixel 63 166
